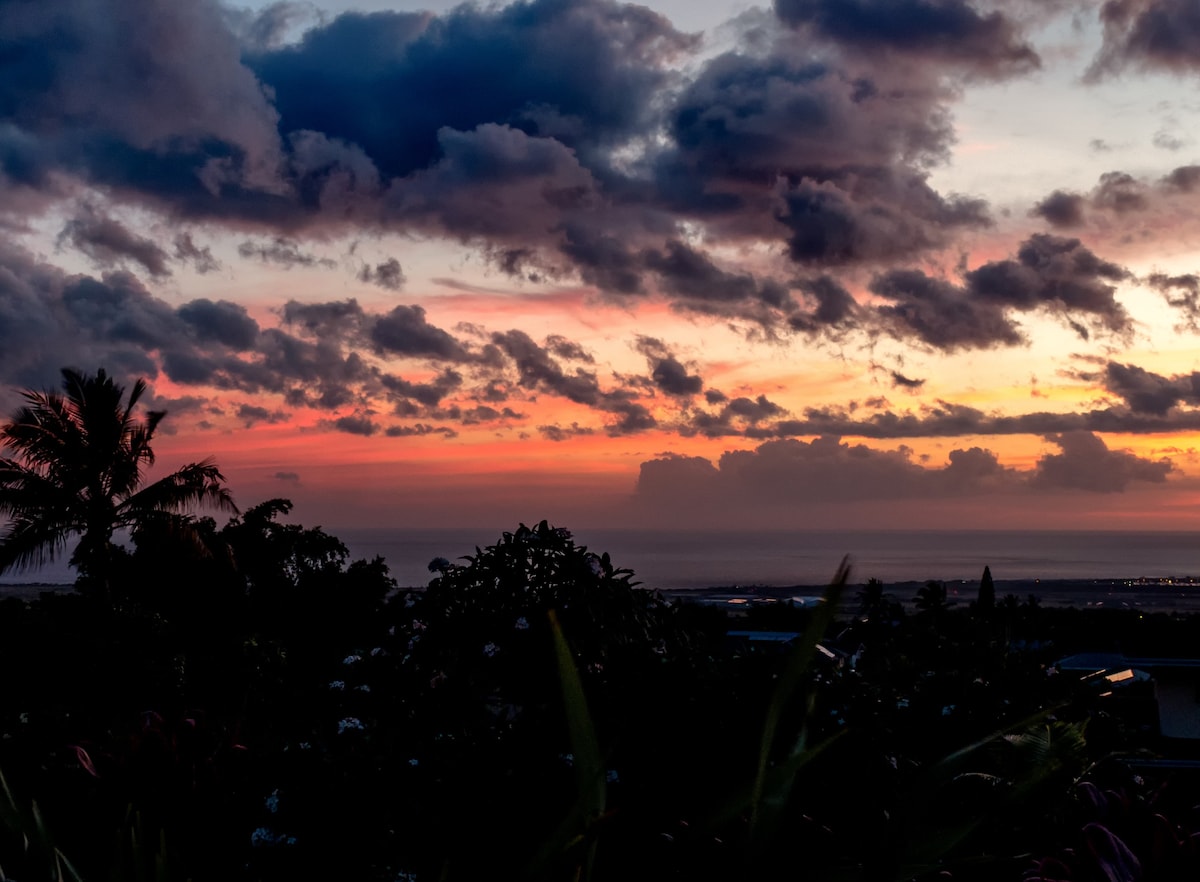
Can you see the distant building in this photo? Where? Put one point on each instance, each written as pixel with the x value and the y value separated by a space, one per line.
pixel 1176 685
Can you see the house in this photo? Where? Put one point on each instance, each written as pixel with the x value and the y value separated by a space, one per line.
pixel 1176 685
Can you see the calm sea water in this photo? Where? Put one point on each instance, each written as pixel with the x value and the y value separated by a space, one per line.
pixel 695 560
pixel 676 560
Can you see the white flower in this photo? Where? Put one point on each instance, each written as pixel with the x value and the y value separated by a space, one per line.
pixel 264 836
pixel 568 758
pixel 305 745
pixel 363 688
pixel 490 649
pixel 414 762
pixel 378 651
pixel 418 625
pixel 612 777
pixel 272 801
pixel 522 624
pixel 348 723
pixel 337 685
pixel 352 659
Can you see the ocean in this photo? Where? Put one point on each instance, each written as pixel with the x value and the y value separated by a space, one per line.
pixel 689 559
pixel 677 560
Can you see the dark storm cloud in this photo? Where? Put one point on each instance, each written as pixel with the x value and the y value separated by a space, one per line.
pixel 871 219
pixel 1181 292
pixel 537 370
pixel 944 419
pixel 508 128
pixel 564 433
pixel 282 252
pixel 848 152
pixel 1061 209
pixel 527 183
pixel 223 321
pixel 1086 463
pixel 1183 179
pixel 632 418
pixel 696 284
pixel 355 424
pixel 418 430
pixel 579 72
pixel 940 314
pixel 201 258
pixel 332 319
pixel 253 413
pixel 831 306
pixel 160 104
pixel 269 27
pixel 1149 393
pixel 429 394
pixel 1049 274
pixel 473 416
pixel 293 477
pixel 1162 34
pixel 389 275
pixel 739 415
pixel 603 260
pixel 902 382
pixel 667 373
pixel 108 242
pixel 568 349
pixel 948 30
pixel 1120 193
pixel 404 331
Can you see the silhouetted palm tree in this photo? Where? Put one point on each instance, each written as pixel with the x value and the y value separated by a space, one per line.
pixel 932 598
pixel 75 466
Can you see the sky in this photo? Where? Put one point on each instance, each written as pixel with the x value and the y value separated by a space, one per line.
pixel 821 263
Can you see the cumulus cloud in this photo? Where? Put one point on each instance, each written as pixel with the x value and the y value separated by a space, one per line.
pixel 1050 274
pixel 667 373
pixel 282 252
pixel 201 257
pixel 1163 34
pixel 555 432
pixel 388 275
pixel 792 475
pixel 902 382
pixel 108 243
pixel 1061 209
pixel 405 331
pixel 1086 463
pixel 950 31
pixel 1181 292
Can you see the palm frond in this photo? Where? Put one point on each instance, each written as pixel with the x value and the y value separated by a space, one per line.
pixel 32 542
pixel 198 483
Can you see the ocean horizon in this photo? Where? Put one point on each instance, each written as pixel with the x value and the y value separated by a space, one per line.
pixel 683 559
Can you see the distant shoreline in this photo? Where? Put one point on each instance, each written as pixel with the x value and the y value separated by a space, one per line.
pixel 1165 594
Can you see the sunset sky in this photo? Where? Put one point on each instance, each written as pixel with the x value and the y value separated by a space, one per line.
pixel 826 263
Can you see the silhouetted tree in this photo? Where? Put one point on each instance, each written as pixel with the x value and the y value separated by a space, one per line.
pixel 75 467
pixel 987 591
pixel 931 597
